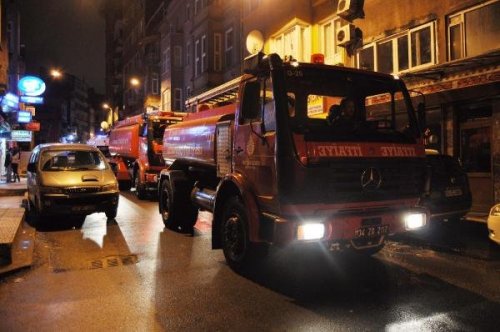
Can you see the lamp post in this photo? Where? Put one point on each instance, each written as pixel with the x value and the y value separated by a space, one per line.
pixel 111 111
pixel 57 74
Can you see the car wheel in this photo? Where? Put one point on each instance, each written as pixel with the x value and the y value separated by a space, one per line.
pixel 239 252
pixel 31 214
pixel 111 212
pixel 124 185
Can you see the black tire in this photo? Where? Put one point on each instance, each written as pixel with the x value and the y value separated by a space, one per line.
pixel 111 212
pixel 176 209
pixel 124 185
pixel 139 188
pixel 239 252
pixel 32 216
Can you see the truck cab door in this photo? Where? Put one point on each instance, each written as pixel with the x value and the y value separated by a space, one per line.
pixel 254 146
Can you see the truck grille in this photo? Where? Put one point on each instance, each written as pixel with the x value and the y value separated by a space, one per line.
pixel 341 181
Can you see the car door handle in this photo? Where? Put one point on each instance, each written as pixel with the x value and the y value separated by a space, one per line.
pixel 238 150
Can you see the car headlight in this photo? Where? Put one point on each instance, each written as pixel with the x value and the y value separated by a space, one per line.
pixel 310 231
pixel 52 190
pixel 414 220
pixel 110 187
pixel 495 211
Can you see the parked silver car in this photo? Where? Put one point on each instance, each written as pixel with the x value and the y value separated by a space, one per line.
pixel 70 179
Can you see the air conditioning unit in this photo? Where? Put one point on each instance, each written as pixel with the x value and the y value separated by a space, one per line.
pixel 345 35
pixel 350 9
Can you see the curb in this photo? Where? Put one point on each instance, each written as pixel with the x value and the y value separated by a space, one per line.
pixel 12 192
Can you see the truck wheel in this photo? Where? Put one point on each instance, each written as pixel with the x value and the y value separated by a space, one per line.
pixel 124 185
pixel 139 188
pixel 111 212
pixel 176 209
pixel 239 252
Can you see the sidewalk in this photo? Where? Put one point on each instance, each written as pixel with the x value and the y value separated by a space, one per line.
pixel 16 241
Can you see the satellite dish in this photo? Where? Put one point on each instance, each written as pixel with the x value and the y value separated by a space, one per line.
pixel 255 42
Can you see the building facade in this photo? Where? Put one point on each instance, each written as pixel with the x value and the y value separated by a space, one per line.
pixel 448 53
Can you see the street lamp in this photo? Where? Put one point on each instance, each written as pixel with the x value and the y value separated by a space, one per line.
pixel 111 115
pixel 135 82
pixel 55 73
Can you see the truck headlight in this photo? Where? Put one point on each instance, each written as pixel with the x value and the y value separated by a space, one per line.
pixel 110 187
pixel 310 231
pixel 414 220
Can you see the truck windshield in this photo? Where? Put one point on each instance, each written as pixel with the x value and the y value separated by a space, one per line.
pixel 334 104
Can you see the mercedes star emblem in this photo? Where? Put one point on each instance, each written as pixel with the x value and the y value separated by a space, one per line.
pixel 371 179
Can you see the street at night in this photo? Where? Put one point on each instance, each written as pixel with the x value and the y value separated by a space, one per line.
pixel 133 274
pixel 229 165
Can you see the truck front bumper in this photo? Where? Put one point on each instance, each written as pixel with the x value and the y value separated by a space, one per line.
pixel 358 230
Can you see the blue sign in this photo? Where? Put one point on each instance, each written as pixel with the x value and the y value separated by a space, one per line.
pixel 31 86
pixel 31 100
pixel 10 101
pixel 23 117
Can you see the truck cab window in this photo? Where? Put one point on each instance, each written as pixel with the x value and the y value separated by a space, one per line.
pixel 269 107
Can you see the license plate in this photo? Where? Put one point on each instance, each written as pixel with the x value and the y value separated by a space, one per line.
pixel 451 192
pixel 371 231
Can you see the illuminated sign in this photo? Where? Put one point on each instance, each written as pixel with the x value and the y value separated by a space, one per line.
pixel 31 100
pixel 31 86
pixel 10 101
pixel 21 135
pixel 23 117
pixel 32 126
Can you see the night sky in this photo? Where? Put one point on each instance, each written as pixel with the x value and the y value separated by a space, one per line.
pixel 67 34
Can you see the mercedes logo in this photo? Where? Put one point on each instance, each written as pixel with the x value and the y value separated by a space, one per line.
pixel 371 179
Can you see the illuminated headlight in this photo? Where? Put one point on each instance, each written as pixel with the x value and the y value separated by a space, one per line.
pixel 52 190
pixel 310 231
pixel 495 211
pixel 415 220
pixel 110 187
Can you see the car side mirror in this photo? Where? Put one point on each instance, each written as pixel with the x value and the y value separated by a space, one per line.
pixel 31 167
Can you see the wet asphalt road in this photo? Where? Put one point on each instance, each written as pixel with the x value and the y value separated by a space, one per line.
pixel 134 275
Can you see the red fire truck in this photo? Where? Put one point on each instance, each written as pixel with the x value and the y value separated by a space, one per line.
pixel 135 145
pixel 265 158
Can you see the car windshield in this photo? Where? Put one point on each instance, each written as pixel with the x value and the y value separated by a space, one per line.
pixel 71 160
pixel 158 128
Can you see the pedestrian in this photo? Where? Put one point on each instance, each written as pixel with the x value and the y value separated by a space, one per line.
pixel 16 158
pixel 8 164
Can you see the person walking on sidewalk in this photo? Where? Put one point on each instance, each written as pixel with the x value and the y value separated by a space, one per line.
pixel 8 164
pixel 16 158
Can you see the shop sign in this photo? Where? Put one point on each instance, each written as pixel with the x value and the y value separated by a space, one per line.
pixel 23 117
pixel 31 86
pixel 32 126
pixel 10 101
pixel 21 135
pixel 32 100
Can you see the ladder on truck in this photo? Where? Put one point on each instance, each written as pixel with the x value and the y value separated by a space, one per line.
pixel 224 93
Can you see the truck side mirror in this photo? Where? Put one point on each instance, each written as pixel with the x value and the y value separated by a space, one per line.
pixel 250 105
pixel 31 167
pixel 422 122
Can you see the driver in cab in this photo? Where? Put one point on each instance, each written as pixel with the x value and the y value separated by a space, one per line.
pixel 343 115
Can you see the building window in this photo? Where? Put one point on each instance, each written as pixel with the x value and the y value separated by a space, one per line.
pixel 410 50
pixel 188 91
pixel 164 63
pixel 197 57
pixel 294 43
pixel 155 86
pixel 165 97
pixel 229 36
pixel 197 6
pixel 217 52
pixel 188 12
pixel 474 31
pixel 167 60
pixel 178 100
pixel 188 54
pixel 333 53
pixel 177 56
pixel 204 56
